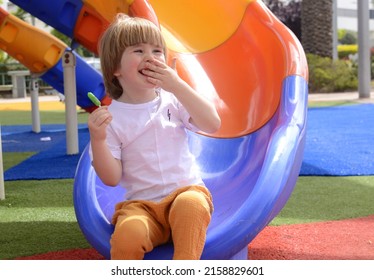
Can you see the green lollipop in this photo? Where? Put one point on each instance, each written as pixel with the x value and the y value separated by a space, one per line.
pixel 94 99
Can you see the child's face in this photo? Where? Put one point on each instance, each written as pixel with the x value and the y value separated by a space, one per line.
pixel 133 63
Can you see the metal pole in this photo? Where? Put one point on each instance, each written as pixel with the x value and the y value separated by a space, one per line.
pixel 2 189
pixel 35 114
pixel 70 91
pixel 364 78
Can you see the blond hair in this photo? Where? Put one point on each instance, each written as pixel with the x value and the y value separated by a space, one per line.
pixel 124 32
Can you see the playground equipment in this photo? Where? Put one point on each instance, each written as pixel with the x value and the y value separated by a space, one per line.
pixel 242 58
pixel 43 53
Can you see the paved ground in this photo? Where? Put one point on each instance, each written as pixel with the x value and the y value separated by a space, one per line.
pixel 46 102
pixel 341 96
pixel 28 99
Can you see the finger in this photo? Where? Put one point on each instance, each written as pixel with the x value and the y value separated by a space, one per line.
pixel 101 116
pixel 95 114
pixel 103 119
pixel 173 64
pixel 154 81
pixel 100 110
pixel 108 120
pixel 149 73
pixel 156 64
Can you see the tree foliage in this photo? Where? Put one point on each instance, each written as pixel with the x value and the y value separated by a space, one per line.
pixel 289 13
pixel 347 37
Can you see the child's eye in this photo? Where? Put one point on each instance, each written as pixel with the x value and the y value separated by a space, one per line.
pixel 158 51
pixel 138 50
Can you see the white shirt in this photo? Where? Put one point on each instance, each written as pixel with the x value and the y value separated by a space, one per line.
pixel 151 141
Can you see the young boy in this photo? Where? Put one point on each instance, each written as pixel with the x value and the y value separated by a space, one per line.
pixel 140 142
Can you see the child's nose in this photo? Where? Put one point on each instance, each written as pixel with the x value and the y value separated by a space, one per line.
pixel 148 56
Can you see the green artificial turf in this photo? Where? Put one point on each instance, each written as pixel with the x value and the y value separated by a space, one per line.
pixel 328 198
pixel 12 159
pixel 46 117
pixel 38 217
pixel 330 103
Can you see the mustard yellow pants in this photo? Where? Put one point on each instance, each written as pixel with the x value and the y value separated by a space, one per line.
pixel 182 217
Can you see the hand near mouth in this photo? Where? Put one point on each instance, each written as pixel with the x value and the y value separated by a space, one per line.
pixel 162 75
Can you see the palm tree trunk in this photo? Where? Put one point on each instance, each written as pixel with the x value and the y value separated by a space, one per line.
pixel 316 27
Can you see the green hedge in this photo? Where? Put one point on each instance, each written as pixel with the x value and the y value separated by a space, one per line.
pixel 327 75
pixel 345 50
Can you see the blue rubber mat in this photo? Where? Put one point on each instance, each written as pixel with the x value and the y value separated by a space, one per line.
pixel 50 161
pixel 339 141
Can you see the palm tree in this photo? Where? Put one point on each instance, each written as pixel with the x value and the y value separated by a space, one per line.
pixel 316 27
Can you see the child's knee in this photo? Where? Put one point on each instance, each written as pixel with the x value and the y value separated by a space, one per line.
pixel 130 229
pixel 192 202
pixel 130 240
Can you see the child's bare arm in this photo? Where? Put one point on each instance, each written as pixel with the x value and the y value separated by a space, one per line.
pixel 106 166
pixel 203 113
